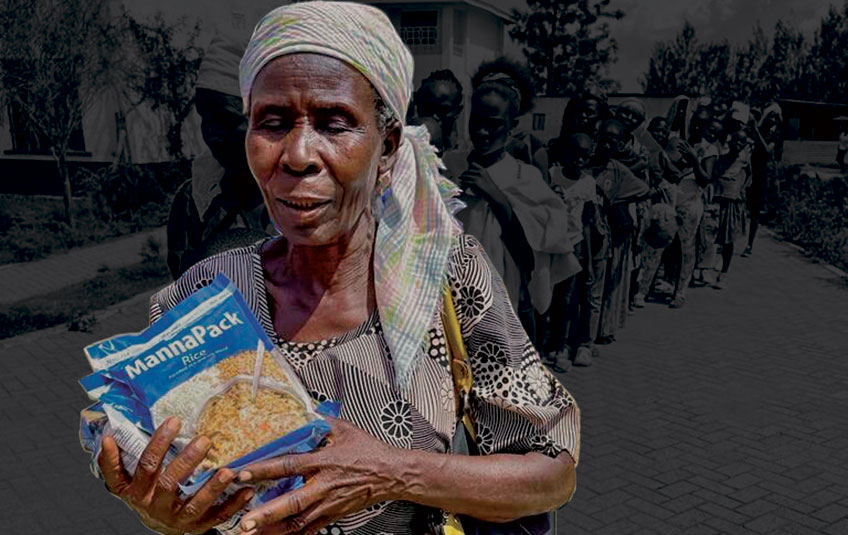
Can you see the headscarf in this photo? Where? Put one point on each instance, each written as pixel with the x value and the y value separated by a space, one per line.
pixel 771 109
pixel 679 101
pixel 635 105
pixel 416 226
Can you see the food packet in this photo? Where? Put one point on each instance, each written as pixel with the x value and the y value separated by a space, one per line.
pixel 209 362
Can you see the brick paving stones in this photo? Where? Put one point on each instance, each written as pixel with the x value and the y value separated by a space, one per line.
pixel 747 386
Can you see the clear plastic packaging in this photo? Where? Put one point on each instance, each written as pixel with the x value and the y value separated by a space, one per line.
pixel 209 362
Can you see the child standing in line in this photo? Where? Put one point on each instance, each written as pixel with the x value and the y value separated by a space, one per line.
pixel 519 221
pixel 575 309
pixel 706 143
pixel 732 175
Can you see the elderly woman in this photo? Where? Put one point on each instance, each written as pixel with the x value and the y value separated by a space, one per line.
pixel 351 294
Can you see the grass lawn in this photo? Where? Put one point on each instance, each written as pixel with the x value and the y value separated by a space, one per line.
pixel 74 305
pixel 32 227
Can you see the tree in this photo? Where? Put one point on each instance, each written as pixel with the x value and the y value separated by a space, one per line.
pixel 748 77
pixel 757 71
pixel 675 66
pixel 760 70
pixel 825 69
pixel 715 63
pixel 165 72
pixel 57 58
pixel 782 71
pixel 567 43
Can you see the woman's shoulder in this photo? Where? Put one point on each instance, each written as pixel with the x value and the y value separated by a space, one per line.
pixel 466 248
pixel 468 263
pixel 471 276
pixel 239 265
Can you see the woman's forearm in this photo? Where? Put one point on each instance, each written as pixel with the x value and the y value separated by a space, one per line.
pixel 494 488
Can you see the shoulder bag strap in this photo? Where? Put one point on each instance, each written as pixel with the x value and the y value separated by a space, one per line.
pixel 459 365
pixel 462 383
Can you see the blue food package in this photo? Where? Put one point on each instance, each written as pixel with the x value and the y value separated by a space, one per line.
pixel 209 362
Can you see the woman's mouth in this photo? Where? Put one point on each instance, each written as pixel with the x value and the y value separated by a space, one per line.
pixel 303 205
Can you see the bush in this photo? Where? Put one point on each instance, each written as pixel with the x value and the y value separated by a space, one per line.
pixel 811 212
pixel 111 202
pixel 122 192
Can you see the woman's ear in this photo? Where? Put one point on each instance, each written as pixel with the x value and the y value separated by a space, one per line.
pixel 391 144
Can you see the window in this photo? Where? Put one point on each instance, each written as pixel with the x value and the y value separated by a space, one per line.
pixel 538 121
pixel 420 30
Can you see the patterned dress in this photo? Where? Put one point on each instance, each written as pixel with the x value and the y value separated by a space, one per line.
pixel 520 407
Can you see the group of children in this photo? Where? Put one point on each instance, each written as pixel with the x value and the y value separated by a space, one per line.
pixel 615 209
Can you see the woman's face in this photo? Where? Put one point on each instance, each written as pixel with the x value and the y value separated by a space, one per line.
pixel 314 146
pixel 659 129
pixel 578 153
pixel 737 141
pixel 629 118
pixel 440 100
pixel 490 123
pixel 770 125
pixel 587 115
pixel 712 130
pixel 610 141
pixel 699 125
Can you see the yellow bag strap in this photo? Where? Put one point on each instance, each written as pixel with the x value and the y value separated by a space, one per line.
pixel 460 367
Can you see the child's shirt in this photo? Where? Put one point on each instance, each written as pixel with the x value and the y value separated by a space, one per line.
pixel 575 194
pixel 732 176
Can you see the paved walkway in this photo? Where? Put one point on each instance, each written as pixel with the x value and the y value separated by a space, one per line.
pixel 21 281
pixel 727 416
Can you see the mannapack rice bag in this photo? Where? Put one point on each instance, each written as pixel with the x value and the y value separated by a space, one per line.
pixel 209 362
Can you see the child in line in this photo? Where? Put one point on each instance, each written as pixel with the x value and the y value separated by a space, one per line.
pixel 732 176
pixel 576 307
pixel 519 221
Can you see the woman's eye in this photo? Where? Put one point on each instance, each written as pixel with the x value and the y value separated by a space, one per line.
pixel 333 126
pixel 273 124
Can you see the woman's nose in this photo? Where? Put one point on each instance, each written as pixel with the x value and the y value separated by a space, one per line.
pixel 299 157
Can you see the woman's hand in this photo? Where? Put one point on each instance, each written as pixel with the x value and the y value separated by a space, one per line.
pixel 354 471
pixel 153 491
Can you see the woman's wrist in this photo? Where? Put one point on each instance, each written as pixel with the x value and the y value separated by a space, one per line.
pixel 398 475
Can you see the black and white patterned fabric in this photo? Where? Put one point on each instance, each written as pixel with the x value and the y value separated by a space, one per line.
pixel 520 407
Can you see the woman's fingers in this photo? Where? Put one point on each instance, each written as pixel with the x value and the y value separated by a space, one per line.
pixel 109 461
pixel 225 511
pixel 178 471
pixel 288 506
pixel 310 521
pixel 284 466
pixel 202 501
pixel 151 459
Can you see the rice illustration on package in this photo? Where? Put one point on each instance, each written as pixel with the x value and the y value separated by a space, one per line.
pixel 210 363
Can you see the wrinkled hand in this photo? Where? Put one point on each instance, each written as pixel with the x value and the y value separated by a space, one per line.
pixel 152 491
pixel 354 471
